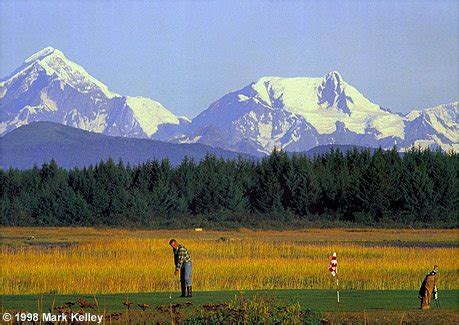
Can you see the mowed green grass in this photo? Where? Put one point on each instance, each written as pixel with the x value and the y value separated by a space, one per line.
pixel 317 300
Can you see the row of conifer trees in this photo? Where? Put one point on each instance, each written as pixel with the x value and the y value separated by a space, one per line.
pixel 418 187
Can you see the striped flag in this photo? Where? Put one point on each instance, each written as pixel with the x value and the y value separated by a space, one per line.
pixel 333 267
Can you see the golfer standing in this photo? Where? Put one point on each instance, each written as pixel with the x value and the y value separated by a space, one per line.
pixel 182 262
pixel 428 289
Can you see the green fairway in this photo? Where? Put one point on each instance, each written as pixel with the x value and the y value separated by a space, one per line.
pixel 318 300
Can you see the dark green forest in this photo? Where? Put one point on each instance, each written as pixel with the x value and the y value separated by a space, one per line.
pixel 420 187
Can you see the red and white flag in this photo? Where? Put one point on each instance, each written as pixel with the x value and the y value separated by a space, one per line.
pixel 333 267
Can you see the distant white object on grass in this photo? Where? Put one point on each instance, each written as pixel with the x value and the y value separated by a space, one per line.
pixel 197 229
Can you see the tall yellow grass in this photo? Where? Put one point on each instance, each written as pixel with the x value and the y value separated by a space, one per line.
pixel 109 261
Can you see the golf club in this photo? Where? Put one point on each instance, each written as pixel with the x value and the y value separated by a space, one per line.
pixel 172 287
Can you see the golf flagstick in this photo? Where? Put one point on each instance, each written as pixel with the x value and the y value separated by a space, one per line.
pixel 337 288
pixel 337 282
pixel 333 268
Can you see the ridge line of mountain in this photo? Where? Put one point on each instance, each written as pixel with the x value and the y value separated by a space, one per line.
pixel 295 114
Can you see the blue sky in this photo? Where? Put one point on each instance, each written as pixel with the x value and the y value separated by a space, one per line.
pixel 401 55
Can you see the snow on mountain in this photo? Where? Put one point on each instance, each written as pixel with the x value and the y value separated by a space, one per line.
pixel 50 87
pixel 437 126
pixel 299 113
pixel 150 114
pixel 295 114
pixel 324 101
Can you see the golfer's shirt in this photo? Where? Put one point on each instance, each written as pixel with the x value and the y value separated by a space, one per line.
pixel 181 256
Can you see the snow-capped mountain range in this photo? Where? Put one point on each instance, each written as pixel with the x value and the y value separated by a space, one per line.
pixel 300 113
pixel 291 113
pixel 50 87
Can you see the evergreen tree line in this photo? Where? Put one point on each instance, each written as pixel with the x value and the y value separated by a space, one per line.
pixel 419 187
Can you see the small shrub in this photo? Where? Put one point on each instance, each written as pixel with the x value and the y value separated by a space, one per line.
pixel 254 311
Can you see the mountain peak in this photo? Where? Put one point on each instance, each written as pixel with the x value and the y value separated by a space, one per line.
pixel 48 86
pixel 40 55
pixel 331 92
pixel 333 76
pixel 56 64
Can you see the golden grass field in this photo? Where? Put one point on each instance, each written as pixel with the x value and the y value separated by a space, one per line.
pixel 118 261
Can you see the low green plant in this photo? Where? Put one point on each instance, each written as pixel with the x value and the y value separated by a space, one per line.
pixel 257 310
